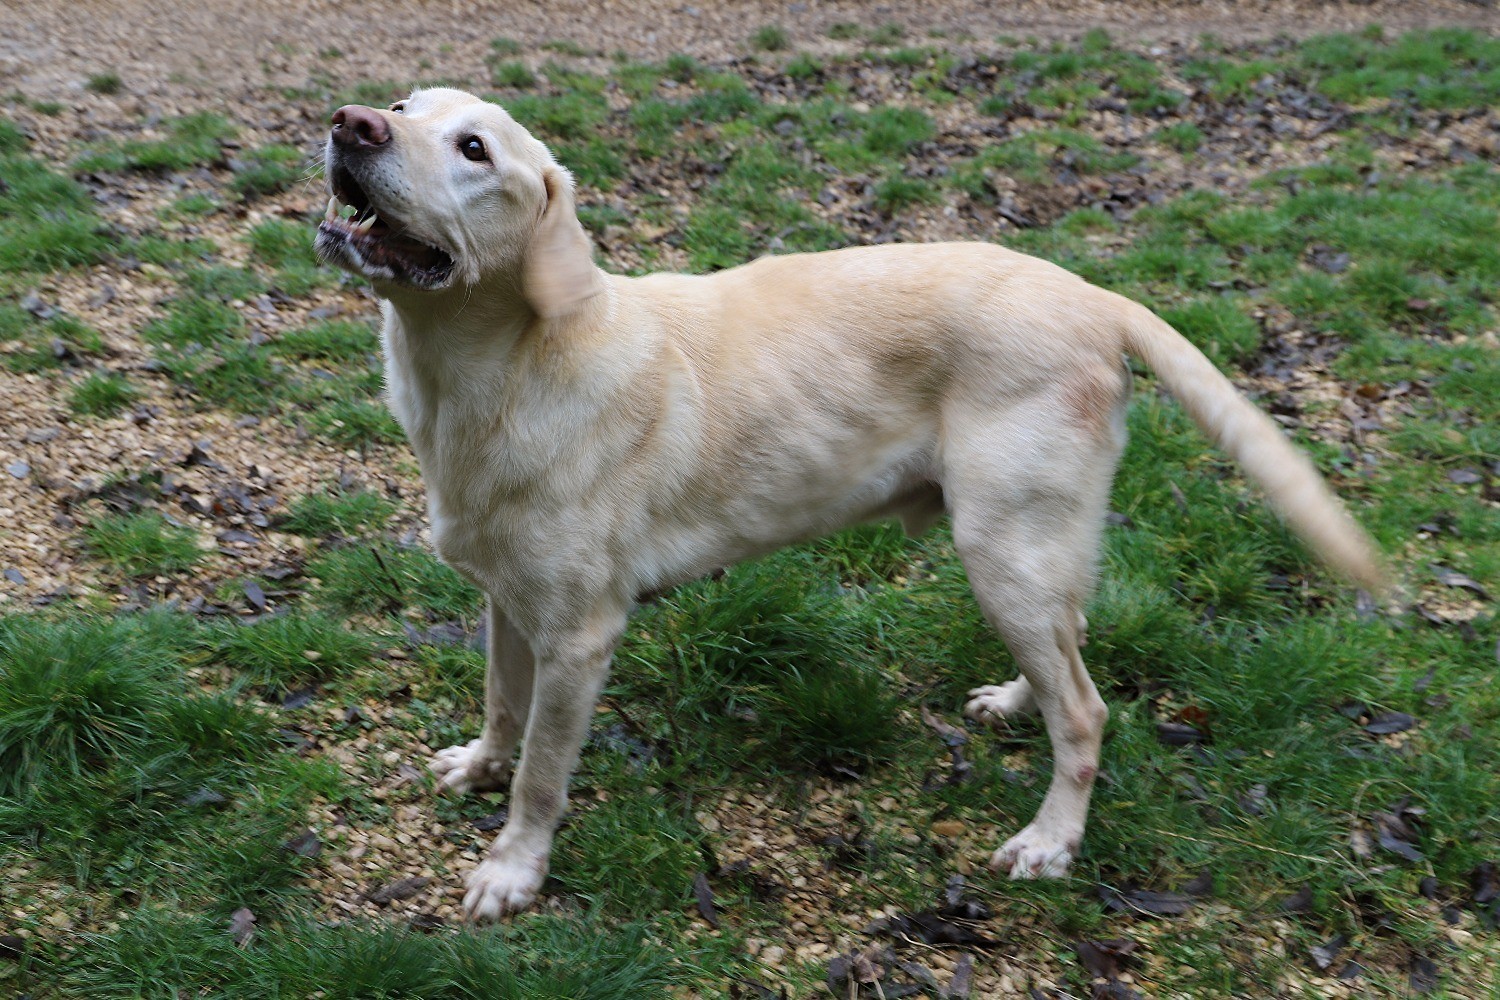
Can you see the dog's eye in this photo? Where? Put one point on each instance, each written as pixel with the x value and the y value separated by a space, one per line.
pixel 473 149
pixel 399 107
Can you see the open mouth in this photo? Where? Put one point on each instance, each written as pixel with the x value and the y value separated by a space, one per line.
pixel 376 246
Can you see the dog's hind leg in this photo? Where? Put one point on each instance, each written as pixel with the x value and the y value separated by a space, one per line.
pixel 485 763
pixel 992 703
pixel 1028 518
pixel 1032 601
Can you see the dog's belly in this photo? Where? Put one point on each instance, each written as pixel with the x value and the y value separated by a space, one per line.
pixel 715 524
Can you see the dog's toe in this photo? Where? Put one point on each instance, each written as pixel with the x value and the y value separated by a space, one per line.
pixel 468 768
pixel 1036 853
pixel 993 702
pixel 503 885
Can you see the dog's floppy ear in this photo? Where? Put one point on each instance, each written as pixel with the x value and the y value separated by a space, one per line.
pixel 558 274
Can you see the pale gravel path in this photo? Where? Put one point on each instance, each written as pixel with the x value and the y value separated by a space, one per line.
pixel 182 51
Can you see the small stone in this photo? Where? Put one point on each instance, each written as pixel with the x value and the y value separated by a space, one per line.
pixel 772 956
pixel 948 828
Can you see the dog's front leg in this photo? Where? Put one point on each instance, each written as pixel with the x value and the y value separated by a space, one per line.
pixel 484 764
pixel 570 672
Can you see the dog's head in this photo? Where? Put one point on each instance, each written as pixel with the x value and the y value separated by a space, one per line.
pixel 444 190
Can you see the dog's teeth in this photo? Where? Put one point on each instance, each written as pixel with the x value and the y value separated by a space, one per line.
pixel 363 225
pixel 333 209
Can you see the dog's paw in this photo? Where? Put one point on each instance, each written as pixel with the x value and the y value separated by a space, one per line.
pixel 469 768
pixel 1036 853
pixel 993 702
pixel 503 885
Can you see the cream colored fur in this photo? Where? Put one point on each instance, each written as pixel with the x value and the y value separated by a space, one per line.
pixel 587 438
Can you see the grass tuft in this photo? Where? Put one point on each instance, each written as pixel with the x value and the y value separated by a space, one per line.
pixel 339 341
pixel 770 38
pixel 105 82
pixel 143 544
pixel 102 394
pixel 285 651
pixel 381 578
pixel 512 73
pixel 190 141
pixel 319 515
pixel 268 170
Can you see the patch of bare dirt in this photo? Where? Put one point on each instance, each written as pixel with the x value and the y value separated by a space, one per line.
pixel 220 52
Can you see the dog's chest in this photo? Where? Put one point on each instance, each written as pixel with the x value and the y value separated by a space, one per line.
pixel 510 476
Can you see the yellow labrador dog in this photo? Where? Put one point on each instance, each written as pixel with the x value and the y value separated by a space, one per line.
pixel 587 438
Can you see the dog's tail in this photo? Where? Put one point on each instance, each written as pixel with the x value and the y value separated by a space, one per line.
pixel 1288 477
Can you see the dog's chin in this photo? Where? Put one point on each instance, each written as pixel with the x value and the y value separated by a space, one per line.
pixel 383 256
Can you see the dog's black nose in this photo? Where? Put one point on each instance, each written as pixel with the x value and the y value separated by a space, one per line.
pixel 356 125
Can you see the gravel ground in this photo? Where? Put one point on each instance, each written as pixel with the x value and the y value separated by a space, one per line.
pixel 213 52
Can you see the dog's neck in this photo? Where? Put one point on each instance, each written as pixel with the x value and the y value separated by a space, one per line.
pixel 450 337
pixel 549 401
pixel 475 348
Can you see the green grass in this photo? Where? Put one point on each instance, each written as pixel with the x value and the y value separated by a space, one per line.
pixel 127 781
pixel 102 394
pixel 566 47
pixel 269 169
pixel 768 653
pixel 357 423
pixel 287 248
pixel 1185 137
pixel 190 141
pixel 191 206
pixel 61 340
pixel 224 283
pixel 104 82
pixel 376 579
pixel 1441 68
pixel 569 116
pixel 552 958
pixel 201 321
pixel 238 377
pixel 201 344
pixel 143 544
pixel 339 341
pixel 770 38
pixel 900 191
pixel 318 515
pixel 803 66
pixel 286 651
pixel 47 220
pixel 512 73
pixel 15 322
